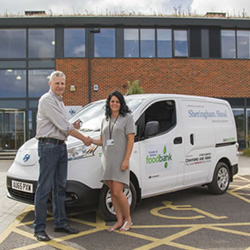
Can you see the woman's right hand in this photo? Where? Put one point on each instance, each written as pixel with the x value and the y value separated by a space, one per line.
pixel 97 142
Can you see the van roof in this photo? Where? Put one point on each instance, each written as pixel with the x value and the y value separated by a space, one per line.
pixel 174 96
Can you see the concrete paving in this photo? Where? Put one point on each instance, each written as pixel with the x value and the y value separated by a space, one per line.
pixel 10 209
pixel 244 165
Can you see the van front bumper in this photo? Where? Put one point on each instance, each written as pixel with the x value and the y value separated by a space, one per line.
pixel 235 169
pixel 78 195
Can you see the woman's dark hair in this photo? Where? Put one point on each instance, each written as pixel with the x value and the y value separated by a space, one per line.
pixel 123 109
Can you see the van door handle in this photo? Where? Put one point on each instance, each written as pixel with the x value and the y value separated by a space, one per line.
pixel 177 140
pixel 192 139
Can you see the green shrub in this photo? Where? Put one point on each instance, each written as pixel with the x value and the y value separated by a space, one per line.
pixel 134 88
pixel 246 152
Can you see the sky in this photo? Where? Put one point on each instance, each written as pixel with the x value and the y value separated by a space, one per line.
pixel 111 7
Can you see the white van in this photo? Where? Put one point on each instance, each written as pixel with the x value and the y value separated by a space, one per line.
pixel 180 142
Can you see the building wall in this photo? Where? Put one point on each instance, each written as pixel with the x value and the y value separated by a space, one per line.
pixel 207 77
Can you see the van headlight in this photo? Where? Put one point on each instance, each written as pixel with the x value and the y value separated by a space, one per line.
pixel 80 151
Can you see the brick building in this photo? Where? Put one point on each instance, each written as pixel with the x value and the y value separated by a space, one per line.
pixel 196 56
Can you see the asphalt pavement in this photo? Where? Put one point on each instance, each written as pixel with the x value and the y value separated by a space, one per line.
pixel 10 209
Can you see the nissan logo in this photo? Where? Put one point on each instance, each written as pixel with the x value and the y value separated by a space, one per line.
pixel 26 157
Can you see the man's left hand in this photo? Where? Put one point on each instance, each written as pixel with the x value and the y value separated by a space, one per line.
pixel 77 124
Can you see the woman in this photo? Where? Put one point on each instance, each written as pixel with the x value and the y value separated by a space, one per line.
pixel 117 140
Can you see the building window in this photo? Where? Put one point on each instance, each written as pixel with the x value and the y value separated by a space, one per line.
pixel 74 42
pixel 12 129
pixel 105 43
pixel 41 43
pixel 38 82
pixel 180 43
pixel 131 43
pixel 12 43
pixel 243 44
pixel 13 83
pixel 195 43
pixel 228 48
pixel 214 38
pixel 30 124
pixel 164 43
pixel 147 42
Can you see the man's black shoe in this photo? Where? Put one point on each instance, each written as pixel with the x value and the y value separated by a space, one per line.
pixel 66 229
pixel 41 236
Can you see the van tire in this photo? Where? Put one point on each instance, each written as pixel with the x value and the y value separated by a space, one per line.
pixel 105 207
pixel 221 179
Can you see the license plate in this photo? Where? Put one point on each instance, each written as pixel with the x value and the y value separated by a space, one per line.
pixel 22 186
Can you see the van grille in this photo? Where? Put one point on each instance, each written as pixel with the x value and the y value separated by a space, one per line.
pixel 22 196
pixel 19 195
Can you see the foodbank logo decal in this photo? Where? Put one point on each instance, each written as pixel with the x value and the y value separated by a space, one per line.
pixel 155 156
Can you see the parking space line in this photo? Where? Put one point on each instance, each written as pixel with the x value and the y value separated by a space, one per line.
pixel 99 222
pixel 239 195
pixel 53 243
pixel 169 240
pixel 41 244
pixel 14 224
pixel 244 194
pixel 193 228
pixel 240 188
pixel 32 246
pixel 241 178
pixel 151 241
pixel 236 190
pixel 138 235
pixel 224 230
pixel 181 246
pixel 192 225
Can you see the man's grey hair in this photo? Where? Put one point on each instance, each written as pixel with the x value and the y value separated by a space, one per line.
pixel 56 74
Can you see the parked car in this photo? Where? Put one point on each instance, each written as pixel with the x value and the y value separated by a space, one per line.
pixel 180 142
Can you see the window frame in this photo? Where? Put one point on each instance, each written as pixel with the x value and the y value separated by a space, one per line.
pixel 174 43
pixel 84 44
pixel 144 118
pixel 113 43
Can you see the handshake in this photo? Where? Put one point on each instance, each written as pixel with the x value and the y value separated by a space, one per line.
pixel 87 141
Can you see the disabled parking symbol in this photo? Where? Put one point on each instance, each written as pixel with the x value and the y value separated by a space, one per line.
pixel 168 205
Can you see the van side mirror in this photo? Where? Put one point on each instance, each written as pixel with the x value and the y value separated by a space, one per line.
pixel 152 128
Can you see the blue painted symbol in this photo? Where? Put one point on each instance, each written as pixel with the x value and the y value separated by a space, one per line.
pixel 26 157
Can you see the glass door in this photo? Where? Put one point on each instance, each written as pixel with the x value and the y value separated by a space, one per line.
pixel 12 129
pixel 239 120
pixel 248 126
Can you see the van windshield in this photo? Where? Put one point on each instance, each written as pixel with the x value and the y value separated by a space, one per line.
pixel 92 114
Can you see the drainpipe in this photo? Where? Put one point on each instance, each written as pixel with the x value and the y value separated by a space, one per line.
pixel 90 54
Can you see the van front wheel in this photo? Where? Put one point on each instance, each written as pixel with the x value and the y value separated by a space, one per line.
pixel 221 178
pixel 106 208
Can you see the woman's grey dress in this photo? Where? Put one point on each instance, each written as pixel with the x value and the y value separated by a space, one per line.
pixel 113 155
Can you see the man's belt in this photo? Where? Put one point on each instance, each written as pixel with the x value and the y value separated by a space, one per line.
pixel 51 140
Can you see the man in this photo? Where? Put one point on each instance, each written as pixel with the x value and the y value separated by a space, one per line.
pixel 53 129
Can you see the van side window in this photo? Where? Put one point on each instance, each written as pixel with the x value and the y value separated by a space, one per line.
pixel 163 112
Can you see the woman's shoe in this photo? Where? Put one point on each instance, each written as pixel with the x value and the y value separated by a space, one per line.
pixel 110 229
pixel 124 228
pixel 113 228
